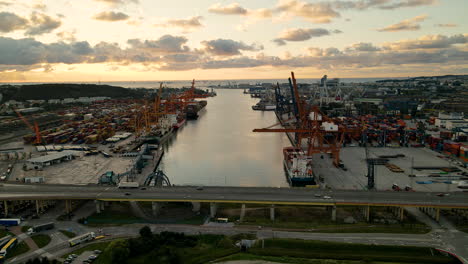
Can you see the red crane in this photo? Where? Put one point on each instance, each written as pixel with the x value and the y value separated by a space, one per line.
pixel 34 128
pixel 321 133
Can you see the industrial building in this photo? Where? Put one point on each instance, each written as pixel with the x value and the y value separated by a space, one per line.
pixel 48 160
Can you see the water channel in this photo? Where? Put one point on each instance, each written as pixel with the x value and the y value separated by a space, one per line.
pixel 220 149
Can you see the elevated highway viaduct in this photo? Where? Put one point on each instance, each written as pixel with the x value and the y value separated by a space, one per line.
pixel 429 202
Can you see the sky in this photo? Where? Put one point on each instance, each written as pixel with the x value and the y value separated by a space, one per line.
pixel 146 40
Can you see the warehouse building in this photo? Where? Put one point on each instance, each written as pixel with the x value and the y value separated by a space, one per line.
pixel 48 160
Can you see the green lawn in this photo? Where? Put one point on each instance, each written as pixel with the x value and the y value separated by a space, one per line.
pixel 68 233
pixel 246 256
pixel 116 214
pixel 4 233
pixel 19 249
pixel 41 240
pixel 339 228
pixel 295 248
pixel 24 229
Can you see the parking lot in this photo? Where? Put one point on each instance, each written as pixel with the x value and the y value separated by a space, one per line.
pixel 85 257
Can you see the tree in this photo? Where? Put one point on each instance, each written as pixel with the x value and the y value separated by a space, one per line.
pixel 145 232
pixel 119 251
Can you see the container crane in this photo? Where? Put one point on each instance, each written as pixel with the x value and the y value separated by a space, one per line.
pixel 320 132
pixel 34 128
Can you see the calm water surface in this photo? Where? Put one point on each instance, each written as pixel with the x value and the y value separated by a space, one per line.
pixel 220 149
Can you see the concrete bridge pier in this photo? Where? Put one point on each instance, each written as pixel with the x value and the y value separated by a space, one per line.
pixel 98 206
pixel 367 213
pixel 196 206
pixel 333 213
pixel 38 207
pixel 155 207
pixel 242 213
pixel 213 209
pixel 69 206
pixel 272 212
pixel 401 214
pixel 5 207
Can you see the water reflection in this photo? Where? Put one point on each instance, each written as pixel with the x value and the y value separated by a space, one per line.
pixel 220 149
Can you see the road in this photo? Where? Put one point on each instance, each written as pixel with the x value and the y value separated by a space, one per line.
pixel 61 247
pixel 297 196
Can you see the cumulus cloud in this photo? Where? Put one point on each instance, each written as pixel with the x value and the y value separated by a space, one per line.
pixel 319 12
pixel 302 34
pixel 111 16
pixel 409 3
pixel 165 44
pixel 40 6
pixel 67 35
pixel 171 53
pixel 185 24
pixel 232 9
pixel 228 47
pixel 427 42
pixel 42 23
pixel 405 25
pixel 11 22
pixel 117 2
pixel 364 47
pixel 446 25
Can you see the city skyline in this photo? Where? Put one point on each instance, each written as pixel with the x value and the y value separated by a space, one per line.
pixel 138 40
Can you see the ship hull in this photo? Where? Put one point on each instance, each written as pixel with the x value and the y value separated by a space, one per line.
pixel 295 181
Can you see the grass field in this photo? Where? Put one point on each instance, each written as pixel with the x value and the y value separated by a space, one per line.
pixel 252 257
pixel 117 214
pixel 19 249
pixel 24 229
pixel 295 248
pixel 68 233
pixel 41 240
pixel 317 219
pixel 4 233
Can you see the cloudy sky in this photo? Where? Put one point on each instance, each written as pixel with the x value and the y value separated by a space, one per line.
pixel 136 40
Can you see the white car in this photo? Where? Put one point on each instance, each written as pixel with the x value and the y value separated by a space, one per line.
pixel 327 197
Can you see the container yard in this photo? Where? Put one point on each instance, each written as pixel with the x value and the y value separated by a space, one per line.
pixel 102 141
pixel 364 150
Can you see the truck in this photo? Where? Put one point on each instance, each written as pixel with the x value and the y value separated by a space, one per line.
pixel 10 221
pixel 128 185
pixel 81 239
pixel 39 228
pixel 5 240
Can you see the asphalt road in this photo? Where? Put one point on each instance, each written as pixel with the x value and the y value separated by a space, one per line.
pixel 233 195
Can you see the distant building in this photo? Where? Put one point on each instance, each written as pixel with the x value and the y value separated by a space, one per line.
pixel 68 100
pixel 29 110
pixel 441 121
pixel 54 101
pixel 36 101
pixel 451 124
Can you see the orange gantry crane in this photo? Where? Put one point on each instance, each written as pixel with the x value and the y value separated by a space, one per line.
pixel 320 133
pixel 34 128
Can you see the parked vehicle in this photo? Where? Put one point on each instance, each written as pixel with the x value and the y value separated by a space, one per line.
pixel 81 239
pixel 128 185
pixel 8 246
pixel 40 228
pixel 10 221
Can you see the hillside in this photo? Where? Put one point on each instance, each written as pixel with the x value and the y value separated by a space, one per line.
pixel 61 91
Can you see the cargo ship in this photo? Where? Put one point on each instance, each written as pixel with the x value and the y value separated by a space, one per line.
pixel 179 123
pixel 264 107
pixel 192 109
pixel 298 168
